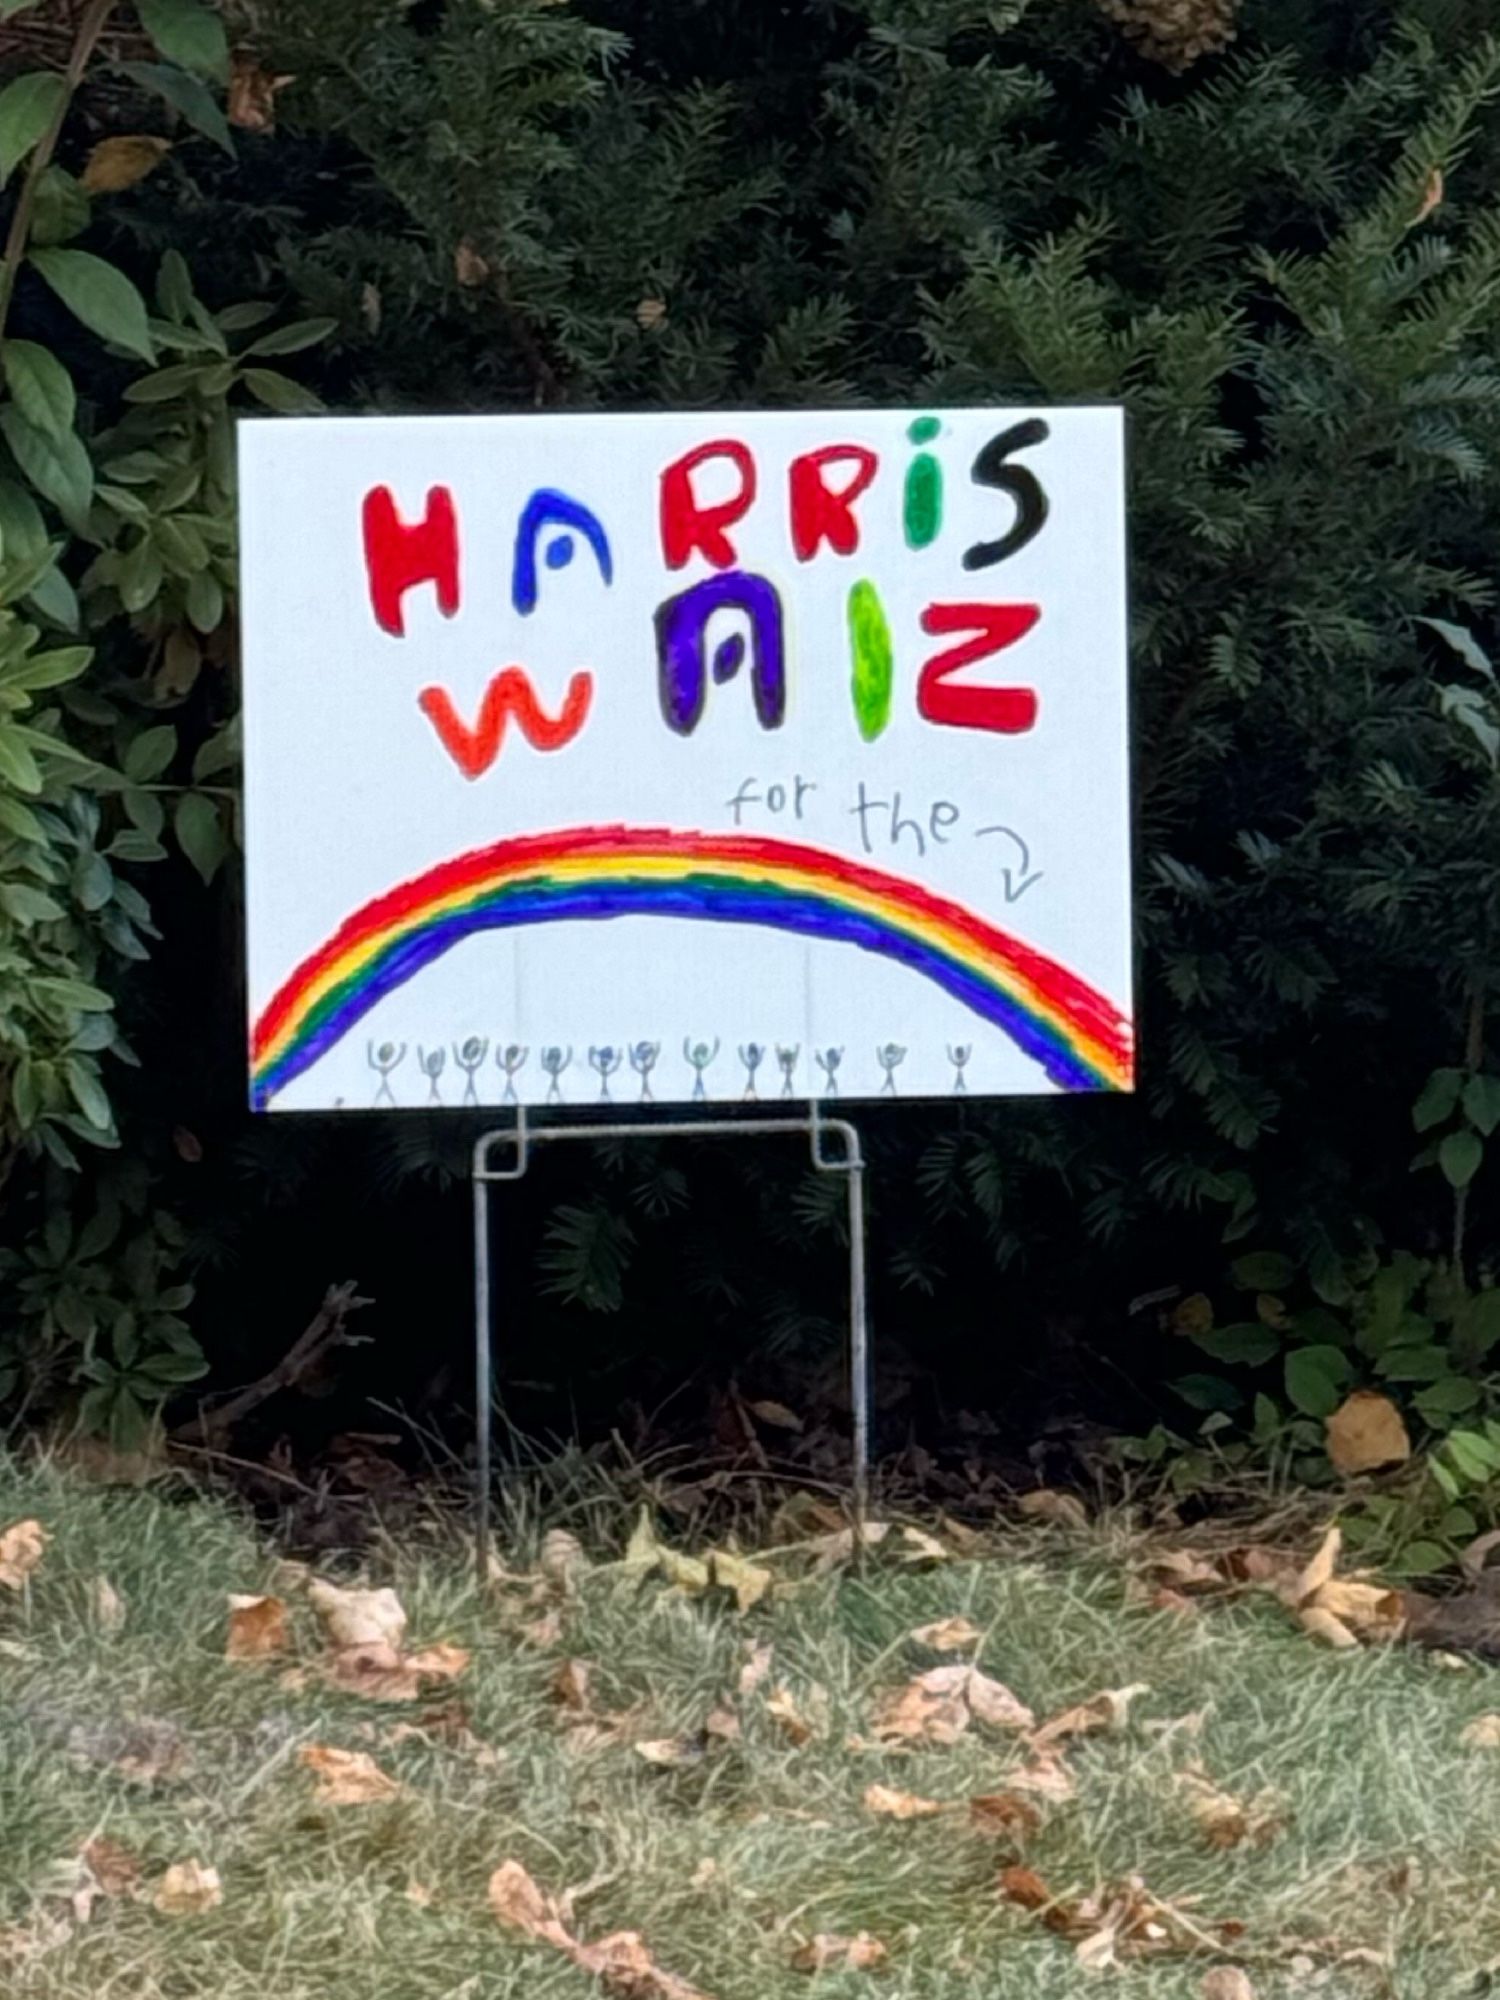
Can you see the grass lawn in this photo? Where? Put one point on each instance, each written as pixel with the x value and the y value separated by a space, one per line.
pixel 1386 1842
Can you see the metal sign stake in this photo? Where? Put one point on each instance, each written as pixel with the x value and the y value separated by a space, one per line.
pixel 522 1137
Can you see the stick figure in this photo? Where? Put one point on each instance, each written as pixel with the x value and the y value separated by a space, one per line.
pixel 605 1062
pixel 554 1062
pixel 787 1062
pixel 511 1060
pixel 383 1060
pixel 890 1057
pixel 699 1056
pixel 828 1061
pixel 752 1055
pixel 643 1060
pixel 959 1057
pixel 431 1066
pixel 469 1056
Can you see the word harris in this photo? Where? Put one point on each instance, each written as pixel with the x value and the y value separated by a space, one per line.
pixel 824 490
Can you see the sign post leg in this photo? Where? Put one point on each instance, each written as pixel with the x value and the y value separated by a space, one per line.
pixel 484 1390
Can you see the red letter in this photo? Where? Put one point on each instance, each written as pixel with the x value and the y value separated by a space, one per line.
pixel 1010 711
pixel 685 525
pixel 398 557
pixel 819 514
pixel 510 693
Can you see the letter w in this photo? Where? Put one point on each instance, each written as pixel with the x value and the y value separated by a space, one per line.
pixel 509 694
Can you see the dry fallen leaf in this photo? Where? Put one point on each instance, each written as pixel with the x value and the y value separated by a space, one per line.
pixel 21 1549
pixel 1025 1887
pixel 825 1952
pixel 922 1547
pixel 358 1617
pixel 670 1751
pixel 257 1628
pixel 781 1706
pixel 1047 1776
pixel 1366 1432
pixel 1226 1982
pixel 948 1635
pixel 252 94
pixel 723 1723
pixel 188 1889
pixel 1064 1510
pixel 544 1632
pixel 621 1962
pixel 749 1581
pixel 121 161
pixel 114 1868
pixel 520 1905
pixel 1226 1821
pixel 888 1804
pixel 346 1777
pixel 1483 1733
pixel 937 1707
pixel 420 1895
pixel 1432 196
pixel 438 1663
pixel 1108 1710
pixel 562 1558
pixel 570 1687
pixel 1344 1611
pixel 469 267
pixel 777 1415
pixel 757 1665
pixel 1003 1815
pixel 107 1606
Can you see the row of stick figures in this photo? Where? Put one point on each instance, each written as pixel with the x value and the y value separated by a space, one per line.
pixel 470 1058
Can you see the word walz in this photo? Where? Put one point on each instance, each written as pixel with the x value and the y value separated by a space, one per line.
pixel 825 493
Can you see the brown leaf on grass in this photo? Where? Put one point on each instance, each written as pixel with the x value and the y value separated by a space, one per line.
pixel 723 1723
pixel 1047 1776
pixel 758 1658
pixel 469 267
pixel 21 1549
pixel 438 1663
pixel 828 1952
pixel 1063 1510
pixel 544 1632
pixel 114 1868
pixel 1226 1982
pixel 621 1962
pixel 418 1894
pixel 1321 1624
pixel 346 1777
pixel 119 162
pixel 570 1687
pixel 107 1606
pixel 1483 1733
pixel 747 1580
pixel 1432 196
pixel 668 1752
pixel 922 1547
pixel 447 1725
pixel 938 1706
pixel 1344 1611
pixel 1184 1569
pixel 777 1415
pixel 257 1628
pixel 1024 1887
pixel 781 1706
pixel 562 1559
pixel 888 1804
pixel 1366 1432
pixel 1226 1821
pixel 1108 1710
pixel 1003 1815
pixel 948 1635
pixel 188 1889
pixel 358 1617
pixel 252 93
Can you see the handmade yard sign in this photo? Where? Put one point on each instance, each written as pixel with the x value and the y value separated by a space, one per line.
pixel 685 757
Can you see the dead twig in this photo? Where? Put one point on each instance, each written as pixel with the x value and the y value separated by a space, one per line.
pixel 324 1332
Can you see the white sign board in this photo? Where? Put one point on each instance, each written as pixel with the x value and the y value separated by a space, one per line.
pixel 685 757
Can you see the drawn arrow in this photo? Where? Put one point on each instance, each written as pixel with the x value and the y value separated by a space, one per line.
pixel 1017 880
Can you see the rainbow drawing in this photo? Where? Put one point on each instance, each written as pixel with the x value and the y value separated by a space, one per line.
pixel 1079 1037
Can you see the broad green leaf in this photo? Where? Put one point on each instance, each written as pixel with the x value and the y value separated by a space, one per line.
pixel 248 313
pixel 164 384
pixel 200 833
pixel 1464 644
pixel 1263 1271
pixel 88 1093
pixel 61 210
pixel 222 752
pixel 27 108
pixel 58 467
pixel 1460 1157
pixel 17 765
pixel 187 96
pixel 168 1370
pixel 23 532
pixel 1479 1322
pixel 20 820
pixel 1451 1396
pixel 99 295
pixel 292 339
pixel 1474 1456
pixel 1315 1378
pixel 1415 1364
pixel 47 670
pixel 188 33
pixel 1439 1098
pixel 1482 1102
pixel 205 601
pixel 52 597
pixel 1207 1392
pixel 42 387
pixel 1444 1478
pixel 149 754
pixel 28 905
pixel 72 993
pixel 1248 1344
pixel 280 392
